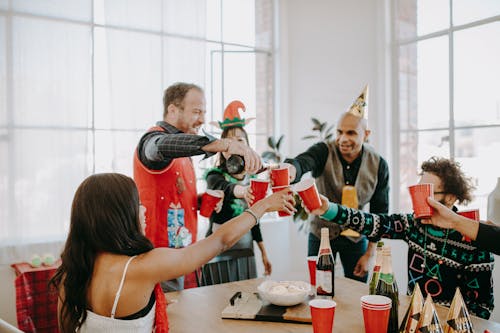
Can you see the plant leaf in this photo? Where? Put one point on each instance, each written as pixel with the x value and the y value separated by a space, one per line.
pixel 269 155
pixel 328 137
pixel 316 122
pixel 322 127
pixel 279 142
pixel 271 142
pixel 309 137
pixel 330 129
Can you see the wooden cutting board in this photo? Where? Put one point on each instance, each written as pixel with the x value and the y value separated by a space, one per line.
pixel 249 306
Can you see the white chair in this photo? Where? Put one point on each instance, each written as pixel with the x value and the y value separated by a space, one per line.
pixel 5 327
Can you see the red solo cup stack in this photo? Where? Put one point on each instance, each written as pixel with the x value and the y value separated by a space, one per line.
pixel 280 179
pixel 376 311
pixel 311 264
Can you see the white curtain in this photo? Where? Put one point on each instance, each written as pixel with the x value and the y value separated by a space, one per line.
pixel 76 93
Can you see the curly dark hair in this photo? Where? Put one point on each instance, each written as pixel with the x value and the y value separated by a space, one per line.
pixel 104 218
pixel 176 93
pixel 453 179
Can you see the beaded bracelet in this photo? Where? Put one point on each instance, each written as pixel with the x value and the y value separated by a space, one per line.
pixel 249 211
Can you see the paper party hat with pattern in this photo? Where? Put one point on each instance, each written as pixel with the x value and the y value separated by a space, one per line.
pixel 414 312
pixel 458 319
pixel 429 321
pixel 359 107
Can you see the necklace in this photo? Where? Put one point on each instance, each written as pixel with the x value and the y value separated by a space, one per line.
pixel 434 270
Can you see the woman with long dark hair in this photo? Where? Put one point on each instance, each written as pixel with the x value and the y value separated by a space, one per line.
pixel 109 276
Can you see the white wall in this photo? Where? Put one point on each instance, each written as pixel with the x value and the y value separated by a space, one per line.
pixel 329 50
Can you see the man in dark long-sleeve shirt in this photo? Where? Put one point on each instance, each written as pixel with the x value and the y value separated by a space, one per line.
pixel 164 172
pixel 346 161
pixel 486 234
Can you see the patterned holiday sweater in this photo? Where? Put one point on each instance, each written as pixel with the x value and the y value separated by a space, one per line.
pixel 439 260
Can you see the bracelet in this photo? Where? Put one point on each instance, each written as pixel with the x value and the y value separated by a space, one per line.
pixel 249 211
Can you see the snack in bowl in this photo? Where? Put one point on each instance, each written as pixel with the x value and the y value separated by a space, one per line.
pixel 284 293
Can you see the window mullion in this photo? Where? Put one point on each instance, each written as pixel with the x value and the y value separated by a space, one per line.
pixel 451 85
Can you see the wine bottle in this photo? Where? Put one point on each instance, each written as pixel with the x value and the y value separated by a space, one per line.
pixel 387 286
pixel 235 165
pixel 325 268
pixel 376 268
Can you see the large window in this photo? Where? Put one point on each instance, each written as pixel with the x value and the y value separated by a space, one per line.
pixel 448 90
pixel 80 82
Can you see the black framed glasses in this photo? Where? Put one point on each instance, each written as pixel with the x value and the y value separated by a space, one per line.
pixel 439 192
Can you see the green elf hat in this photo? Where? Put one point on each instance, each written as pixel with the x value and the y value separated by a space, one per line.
pixel 360 106
pixel 232 116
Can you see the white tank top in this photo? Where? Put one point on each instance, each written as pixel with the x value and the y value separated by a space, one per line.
pixel 97 323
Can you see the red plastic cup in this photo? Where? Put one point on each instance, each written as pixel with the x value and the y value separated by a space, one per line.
pixel 277 189
pixel 259 189
pixel 322 314
pixel 208 202
pixel 311 264
pixel 419 194
pixel 471 214
pixel 280 177
pixel 308 193
pixel 376 311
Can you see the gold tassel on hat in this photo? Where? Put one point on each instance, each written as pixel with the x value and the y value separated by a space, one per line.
pixel 414 312
pixel 458 319
pixel 360 106
pixel 429 321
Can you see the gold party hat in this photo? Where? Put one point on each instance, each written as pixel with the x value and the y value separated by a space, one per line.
pixel 458 319
pixel 429 321
pixel 360 106
pixel 350 199
pixel 414 312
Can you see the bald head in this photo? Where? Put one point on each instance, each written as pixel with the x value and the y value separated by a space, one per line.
pixel 349 117
pixel 352 132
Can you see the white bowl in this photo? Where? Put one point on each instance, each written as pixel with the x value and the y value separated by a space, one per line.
pixel 284 293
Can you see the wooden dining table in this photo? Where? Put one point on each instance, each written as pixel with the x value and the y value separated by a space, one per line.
pixel 199 310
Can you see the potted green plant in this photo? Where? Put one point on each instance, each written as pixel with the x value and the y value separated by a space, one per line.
pixel 274 154
pixel 324 131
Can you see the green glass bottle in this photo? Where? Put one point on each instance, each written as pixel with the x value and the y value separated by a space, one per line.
pixel 387 286
pixel 376 268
